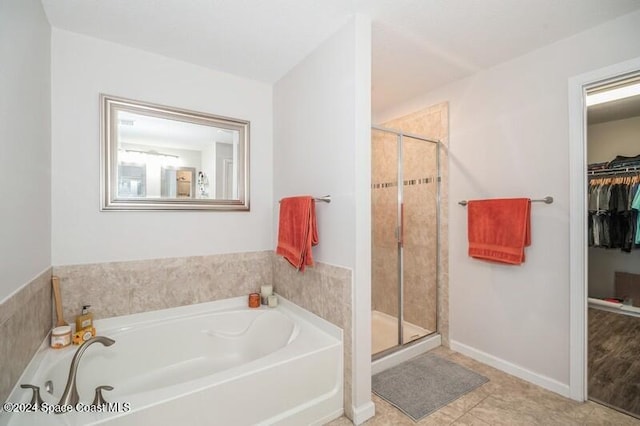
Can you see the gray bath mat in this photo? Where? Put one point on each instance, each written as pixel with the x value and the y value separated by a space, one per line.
pixel 424 384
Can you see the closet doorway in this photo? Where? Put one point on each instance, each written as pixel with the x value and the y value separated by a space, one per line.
pixel 613 237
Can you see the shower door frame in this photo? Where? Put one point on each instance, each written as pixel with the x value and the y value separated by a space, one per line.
pixel 400 235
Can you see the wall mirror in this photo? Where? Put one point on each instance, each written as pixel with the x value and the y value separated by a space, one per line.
pixel 162 158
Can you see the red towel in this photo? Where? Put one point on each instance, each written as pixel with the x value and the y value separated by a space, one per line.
pixel 297 230
pixel 499 229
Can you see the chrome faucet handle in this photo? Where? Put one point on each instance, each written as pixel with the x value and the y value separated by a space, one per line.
pixel 99 399
pixel 70 395
pixel 36 400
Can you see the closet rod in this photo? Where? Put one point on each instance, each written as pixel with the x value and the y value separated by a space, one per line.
pixel 546 200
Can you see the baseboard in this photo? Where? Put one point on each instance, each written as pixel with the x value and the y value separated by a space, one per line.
pixel 515 370
pixel 363 413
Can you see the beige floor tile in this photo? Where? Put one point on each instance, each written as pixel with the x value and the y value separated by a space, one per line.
pixel 342 421
pixel 575 414
pixel 465 403
pixel 469 420
pixel 504 400
pixel 387 414
pixel 496 411
pixel 580 411
pixel 542 402
pixel 604 416
pixel 437 418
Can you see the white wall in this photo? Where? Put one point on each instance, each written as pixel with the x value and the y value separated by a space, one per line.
pixel 25 134
pixel 619 137
pixel 314 150
pixel 603 264
pixel 322 147
pixel 84 67
pixel 509 130
pixel 604 142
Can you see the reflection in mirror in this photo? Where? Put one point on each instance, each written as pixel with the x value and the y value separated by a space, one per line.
pixel 160 158
pixel 131 179
pixel 178 182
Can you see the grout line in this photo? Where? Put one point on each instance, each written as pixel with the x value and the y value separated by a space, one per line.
pixel 474 406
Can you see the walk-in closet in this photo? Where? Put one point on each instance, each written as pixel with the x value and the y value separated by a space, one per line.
pixel 613 156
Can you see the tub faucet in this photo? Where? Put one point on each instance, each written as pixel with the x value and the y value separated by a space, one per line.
pixel 70 395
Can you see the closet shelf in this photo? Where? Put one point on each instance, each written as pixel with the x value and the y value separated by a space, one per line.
pixel 614 171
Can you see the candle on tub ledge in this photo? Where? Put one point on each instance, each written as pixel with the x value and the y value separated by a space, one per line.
pixel 254 300
pixel 266 291
pixel 273 301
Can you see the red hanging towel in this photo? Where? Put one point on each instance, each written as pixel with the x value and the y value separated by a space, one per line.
pixel 499 229
pixel 297 230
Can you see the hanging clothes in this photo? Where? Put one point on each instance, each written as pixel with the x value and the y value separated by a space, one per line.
pixel 635 205
pixel 613 212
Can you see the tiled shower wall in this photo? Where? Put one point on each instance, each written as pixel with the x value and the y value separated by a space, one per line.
pixel 25 320
pixel 420 248
pixel 384 221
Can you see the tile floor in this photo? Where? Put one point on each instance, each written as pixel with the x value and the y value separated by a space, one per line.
pixel 504 400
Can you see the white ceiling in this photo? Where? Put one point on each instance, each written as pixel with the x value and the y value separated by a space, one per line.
pixel 418 45
pixel 143 129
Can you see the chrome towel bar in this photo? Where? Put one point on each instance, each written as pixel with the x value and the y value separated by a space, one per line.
pixel 324 199
pixel 547 200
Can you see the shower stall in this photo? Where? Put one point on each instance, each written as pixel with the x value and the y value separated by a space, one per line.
pixel 405 215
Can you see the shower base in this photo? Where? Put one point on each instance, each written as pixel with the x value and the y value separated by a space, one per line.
pixel 384 331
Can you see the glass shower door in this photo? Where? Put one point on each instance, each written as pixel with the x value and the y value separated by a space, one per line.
pixel 385 249
pixel 404 213
pixel 419 240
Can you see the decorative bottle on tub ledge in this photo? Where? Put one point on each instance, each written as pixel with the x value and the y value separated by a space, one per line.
pixel 84 326
pixel 265 291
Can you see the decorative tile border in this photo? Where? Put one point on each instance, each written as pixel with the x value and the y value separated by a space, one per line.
pixel 408 182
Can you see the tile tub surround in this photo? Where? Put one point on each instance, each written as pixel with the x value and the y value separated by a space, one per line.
pixel 25 321
pixel 324 290
pixel 122 288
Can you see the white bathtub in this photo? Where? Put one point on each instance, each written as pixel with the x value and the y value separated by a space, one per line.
pixel 217 363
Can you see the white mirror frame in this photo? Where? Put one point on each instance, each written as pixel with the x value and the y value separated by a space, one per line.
pixel 110 105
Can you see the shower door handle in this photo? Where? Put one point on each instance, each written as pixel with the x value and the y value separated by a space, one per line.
pixel 401 228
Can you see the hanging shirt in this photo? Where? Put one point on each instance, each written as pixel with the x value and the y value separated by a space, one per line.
pixel 636 206
pixel 593 198
pixel 595 226
pixel 603 197
pixel 633 189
